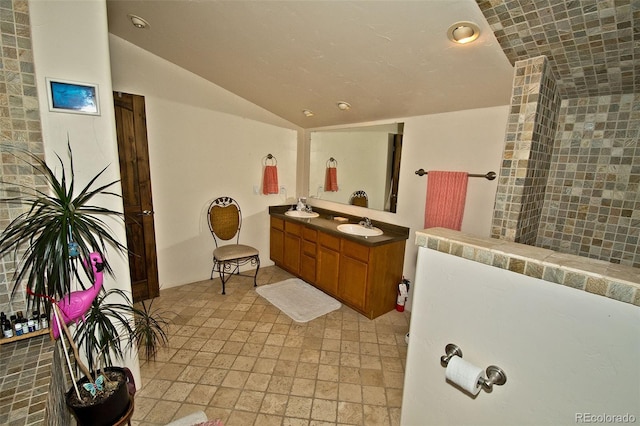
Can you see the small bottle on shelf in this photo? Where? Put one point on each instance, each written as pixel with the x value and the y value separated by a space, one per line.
pixel 7 331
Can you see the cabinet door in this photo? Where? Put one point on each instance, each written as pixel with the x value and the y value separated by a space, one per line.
pixel 308 261
pixel 276 241
pixel 352 282
pixel 292 247
pixel 328 263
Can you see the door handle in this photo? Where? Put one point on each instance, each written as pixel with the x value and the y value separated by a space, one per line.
pixel 146 213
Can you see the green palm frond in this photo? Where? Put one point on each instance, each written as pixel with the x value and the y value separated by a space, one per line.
pixel 39 238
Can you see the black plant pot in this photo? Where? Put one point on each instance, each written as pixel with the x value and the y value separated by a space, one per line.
pixel 104 412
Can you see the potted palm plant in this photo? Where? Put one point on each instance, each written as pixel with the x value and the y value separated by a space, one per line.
pixel 60 244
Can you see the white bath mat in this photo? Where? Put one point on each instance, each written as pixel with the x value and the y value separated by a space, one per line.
pixel 301 301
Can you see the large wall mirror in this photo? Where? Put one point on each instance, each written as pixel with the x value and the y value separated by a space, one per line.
pixel 366 163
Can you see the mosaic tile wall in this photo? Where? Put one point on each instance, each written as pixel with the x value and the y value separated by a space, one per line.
pixel 591 44
pixel 19 118
pixel 25 374
pixel 592 205
pixel 526 160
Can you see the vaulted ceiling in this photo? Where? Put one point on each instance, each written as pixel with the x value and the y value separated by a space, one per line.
pixel 388 59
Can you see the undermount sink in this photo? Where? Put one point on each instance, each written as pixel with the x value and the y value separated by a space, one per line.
pixel 301 214
pixel 355 229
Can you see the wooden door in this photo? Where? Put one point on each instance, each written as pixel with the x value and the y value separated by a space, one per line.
pixel 395 172
pixel 131 127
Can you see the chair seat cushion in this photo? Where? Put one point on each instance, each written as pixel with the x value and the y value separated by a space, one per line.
pixel 233 251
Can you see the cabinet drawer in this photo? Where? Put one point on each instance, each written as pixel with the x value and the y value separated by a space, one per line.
pixel 309 234
pixel 309 248
pixel 277 223
pixel 293 228
pixel 329 241
pixel 355 250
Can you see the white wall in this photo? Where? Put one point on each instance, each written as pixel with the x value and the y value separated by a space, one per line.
pixel 470 140
pixel 564 351
pixel 204 142
pixel 70 43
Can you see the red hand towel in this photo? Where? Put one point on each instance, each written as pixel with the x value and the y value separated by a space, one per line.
pixel 270 180
pixel 446 195
pixel 331 180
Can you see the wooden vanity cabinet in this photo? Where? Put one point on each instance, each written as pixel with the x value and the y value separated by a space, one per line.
pixel 363 277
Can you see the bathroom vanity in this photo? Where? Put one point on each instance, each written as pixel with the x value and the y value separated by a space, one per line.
pixel 363 272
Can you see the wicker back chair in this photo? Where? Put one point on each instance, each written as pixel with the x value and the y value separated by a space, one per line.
pixel 225 222
pixel 359 198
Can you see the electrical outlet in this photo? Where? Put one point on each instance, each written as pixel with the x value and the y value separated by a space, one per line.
pixel 283 189
pixel 256 189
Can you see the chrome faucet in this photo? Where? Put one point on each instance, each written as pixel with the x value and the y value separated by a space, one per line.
pixel 366 222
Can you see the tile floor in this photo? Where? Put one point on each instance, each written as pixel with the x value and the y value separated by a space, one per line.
pixel 240 359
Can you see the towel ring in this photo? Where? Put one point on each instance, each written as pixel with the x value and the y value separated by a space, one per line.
pixel 331 162
pixel 270 159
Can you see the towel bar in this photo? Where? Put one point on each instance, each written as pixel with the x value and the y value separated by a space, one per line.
pixel 488 175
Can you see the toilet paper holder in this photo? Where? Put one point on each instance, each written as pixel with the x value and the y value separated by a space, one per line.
pixel 495 374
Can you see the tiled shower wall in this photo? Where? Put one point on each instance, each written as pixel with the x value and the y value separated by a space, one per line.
pixel 592 204
pixel 19 120
pixel 526 159
pixel 570 175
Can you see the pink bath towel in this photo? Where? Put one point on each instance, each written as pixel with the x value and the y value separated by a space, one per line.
pixel 331 179
pixel 446 195
pixel 270 180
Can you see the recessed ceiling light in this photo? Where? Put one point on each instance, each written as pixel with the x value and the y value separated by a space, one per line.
pixel 344 106
pixel 138 22
pixel 463 32
pixel 307 113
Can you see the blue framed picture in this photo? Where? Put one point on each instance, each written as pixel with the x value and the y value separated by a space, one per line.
pixel 73 97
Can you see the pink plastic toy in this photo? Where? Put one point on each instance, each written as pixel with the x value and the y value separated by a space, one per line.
pixel 74 305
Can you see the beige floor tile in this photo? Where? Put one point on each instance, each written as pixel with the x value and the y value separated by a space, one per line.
pixel 241 360
pixel 375 415
pixel 213 376
pixel 324 410
pixel 303 387
pixel 191 374
pixel 280 384
pixel 162 412
pixel 264 366
pixel 249 401
pixel 257 381
pixel 171 371
pixel 241 418
pixel 374 395
pixel 200 394
pixel 329 373
pixel 268 420
pixel 349 413
pixel 155 388
pixel 326 390
pixel 178 391
pixel 349 392
pixel 225 397
pixel 290 421
pixel 274 403
pixel 298 406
